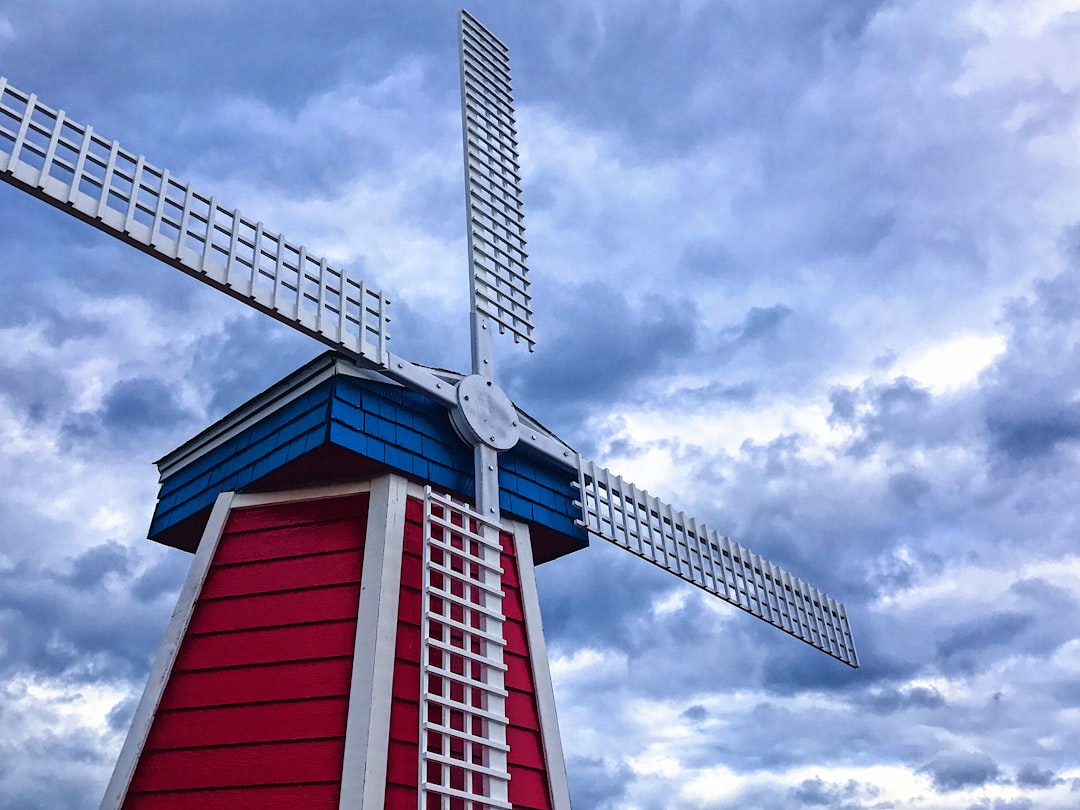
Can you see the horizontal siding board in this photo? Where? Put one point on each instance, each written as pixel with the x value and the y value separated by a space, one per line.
pixel 511 607
pixel 406 681
pixel 400 796
pixel 275 609
pixel 510 574
pixel 258 684
pixel 258 694
pixel 518 675
pixel 526 747
pixel 298 513
pixel 293 541
pixel 410 602
pixel 405 721
pixel 240 765
pixel 529 790
pixel 526 759
pixel 403 751
pixel 230 725
pixel 407 647
pixel 514 633
pixel 403 764
pixel 267 646
pixel 414 526
pixel 324 796
pixel 333 568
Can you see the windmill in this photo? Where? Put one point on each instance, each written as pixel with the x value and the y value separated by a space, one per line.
pixel 474 557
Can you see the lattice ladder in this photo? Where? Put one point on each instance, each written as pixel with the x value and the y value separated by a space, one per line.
pixel 463 750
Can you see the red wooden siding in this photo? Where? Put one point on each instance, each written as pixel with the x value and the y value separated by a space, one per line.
pixel 528 771
pixel 254 711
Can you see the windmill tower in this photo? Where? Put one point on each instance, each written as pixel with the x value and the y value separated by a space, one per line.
pixel 360 625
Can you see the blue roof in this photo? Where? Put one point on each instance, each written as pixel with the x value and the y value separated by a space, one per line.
pixel 380 425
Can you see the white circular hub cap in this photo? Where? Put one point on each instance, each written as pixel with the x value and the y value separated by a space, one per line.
pixel 484 414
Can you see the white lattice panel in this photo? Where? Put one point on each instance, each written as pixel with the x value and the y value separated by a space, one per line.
pixel 635 520
pixel 72 167
pixel 463 750
pixel 496 218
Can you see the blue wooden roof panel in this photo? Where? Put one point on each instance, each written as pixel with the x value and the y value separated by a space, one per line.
pixel 188 500
pixel 379 421
pixel 313 404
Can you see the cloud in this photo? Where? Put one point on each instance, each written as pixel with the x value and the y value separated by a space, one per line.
pixel 78 623
pixel 998 628
pixel 1003 804
pixel 817 793
pixel 130 410
pixel 600 783
pixel 961 769
pixel 889 700
pixel 1030 775
pixel 612 345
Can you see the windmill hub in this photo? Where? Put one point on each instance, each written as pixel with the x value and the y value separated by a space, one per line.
pixel 485 414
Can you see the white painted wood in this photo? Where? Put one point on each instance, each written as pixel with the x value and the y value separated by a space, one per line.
pixel 302 494
pixel 618 512
pixel 367 732
pixel 545 693
pixel 114 201
pixel 493 205
pixel 116 792
pixel 462 671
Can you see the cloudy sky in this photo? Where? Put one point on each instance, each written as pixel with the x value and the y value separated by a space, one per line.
pixel 809 270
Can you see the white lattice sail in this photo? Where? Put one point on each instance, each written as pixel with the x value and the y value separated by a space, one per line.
pixel 496 219
pixel 70 166
pixel 632 519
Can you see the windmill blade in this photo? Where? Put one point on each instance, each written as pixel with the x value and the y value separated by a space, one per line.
pixel 73 168
pixel 632 519
pixel 69 166
pixel 500 285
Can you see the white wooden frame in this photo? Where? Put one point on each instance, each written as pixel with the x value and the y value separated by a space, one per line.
pixel 367 732
pixel 545 692
pixel 117 789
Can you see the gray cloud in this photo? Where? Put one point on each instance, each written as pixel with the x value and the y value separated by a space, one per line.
pixel 888 700
pixel 246 356
pixel 610 346
pixel 598 784
pixel 78 623
pixel 818 793
pixel 131 410
pixel 1030 775
pixel 961 769
pixel 1003 804
pixel 998 628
